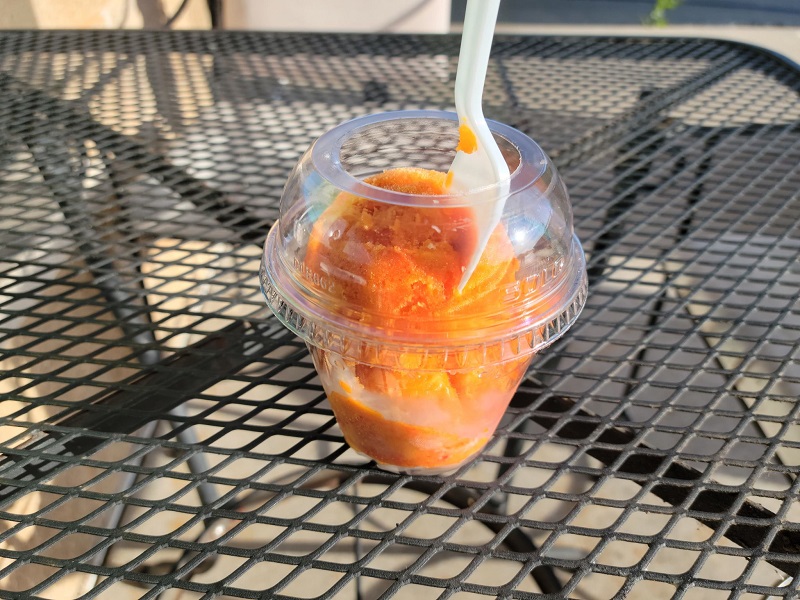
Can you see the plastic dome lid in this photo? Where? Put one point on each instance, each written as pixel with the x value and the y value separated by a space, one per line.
pixel 356 268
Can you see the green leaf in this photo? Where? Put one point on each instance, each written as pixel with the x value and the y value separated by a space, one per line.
pixel 658 15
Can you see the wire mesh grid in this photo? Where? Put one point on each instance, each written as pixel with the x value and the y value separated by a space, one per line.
pixel 163 437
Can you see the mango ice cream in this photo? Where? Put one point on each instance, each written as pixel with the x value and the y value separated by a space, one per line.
pixel 406 262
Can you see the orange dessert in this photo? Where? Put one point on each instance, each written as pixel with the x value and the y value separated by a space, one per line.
pixel 415 412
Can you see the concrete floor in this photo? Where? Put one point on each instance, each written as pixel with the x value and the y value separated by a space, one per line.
pixel 633 12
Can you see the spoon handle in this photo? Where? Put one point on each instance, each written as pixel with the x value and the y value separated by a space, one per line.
pixel 476 45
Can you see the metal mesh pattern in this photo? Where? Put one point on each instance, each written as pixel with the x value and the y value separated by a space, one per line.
pixel 163 436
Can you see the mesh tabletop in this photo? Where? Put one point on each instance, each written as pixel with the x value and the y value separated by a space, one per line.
pixel 163 436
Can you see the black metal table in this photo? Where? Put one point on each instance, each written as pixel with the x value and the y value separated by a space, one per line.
pixel 164 437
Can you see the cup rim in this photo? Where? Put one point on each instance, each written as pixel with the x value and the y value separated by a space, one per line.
pixel 308 319
pixel 326 151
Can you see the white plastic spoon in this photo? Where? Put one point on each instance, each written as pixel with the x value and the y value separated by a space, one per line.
pixel 478 162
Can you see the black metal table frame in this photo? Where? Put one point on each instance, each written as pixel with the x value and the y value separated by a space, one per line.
pixel 727 512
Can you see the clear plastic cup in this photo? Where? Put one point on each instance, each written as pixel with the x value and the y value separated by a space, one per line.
pixel 418 374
